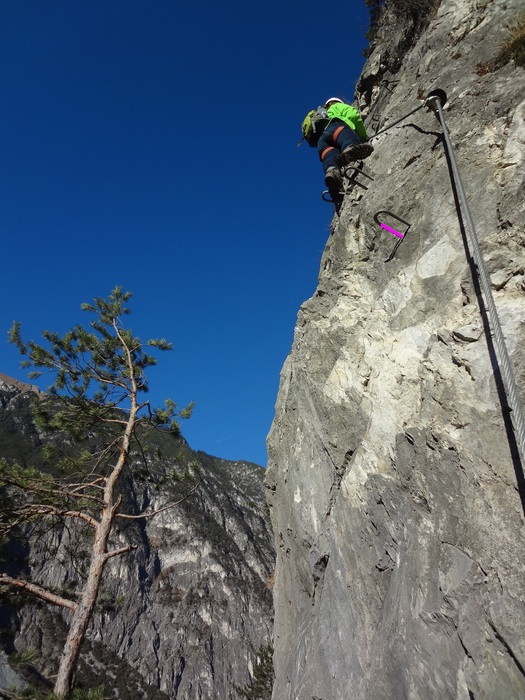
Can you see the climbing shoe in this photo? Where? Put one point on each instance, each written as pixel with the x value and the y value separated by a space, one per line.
pixel 358 152
pixel 334 181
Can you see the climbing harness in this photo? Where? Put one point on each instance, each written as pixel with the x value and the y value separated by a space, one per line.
pixel 437 100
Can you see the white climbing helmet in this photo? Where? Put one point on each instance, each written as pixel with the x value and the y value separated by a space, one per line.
pixel 333 99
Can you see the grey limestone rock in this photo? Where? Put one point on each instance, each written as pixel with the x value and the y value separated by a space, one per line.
pixel 186 613
pixel 396 492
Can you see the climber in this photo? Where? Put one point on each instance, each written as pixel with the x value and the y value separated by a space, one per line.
pixel 342 142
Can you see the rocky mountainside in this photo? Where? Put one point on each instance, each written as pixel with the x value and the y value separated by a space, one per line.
pixel 395 486
pixel 186 613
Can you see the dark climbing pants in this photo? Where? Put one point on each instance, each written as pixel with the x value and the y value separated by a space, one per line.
pixel 335 138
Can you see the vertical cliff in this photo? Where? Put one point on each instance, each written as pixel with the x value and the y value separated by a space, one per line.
pixel 395 486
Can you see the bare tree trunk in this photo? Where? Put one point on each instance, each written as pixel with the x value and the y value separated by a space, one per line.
pixel 85 608
pixel 99 558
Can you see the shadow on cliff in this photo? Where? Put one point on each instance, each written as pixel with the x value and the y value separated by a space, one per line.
pixel 505 409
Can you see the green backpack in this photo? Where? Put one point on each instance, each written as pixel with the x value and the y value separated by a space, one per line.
pixel 313 126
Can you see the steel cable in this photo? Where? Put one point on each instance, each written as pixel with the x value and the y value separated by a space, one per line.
pixel 389 126
pixel 509 382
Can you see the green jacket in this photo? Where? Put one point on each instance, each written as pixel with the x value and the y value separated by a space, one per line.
pixel 350 115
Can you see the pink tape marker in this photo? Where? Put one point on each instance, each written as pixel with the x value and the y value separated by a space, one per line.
pixel 392 230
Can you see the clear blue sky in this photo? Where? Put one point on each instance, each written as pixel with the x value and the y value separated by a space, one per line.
pixel 152 144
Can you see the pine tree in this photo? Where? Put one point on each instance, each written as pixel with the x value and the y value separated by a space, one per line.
pixel 99 383
pixel 261 685
pixel 374 9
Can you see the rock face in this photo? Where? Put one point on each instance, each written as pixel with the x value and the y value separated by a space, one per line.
pixel 184 616
pixel 396 491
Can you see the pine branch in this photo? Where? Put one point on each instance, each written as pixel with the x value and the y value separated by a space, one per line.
pixel 38 591
pixel 35 510
pixel 58 492
pixel 117 552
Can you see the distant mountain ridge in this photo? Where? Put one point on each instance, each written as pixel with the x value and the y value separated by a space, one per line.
pixel 7 382
pixel 185 613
